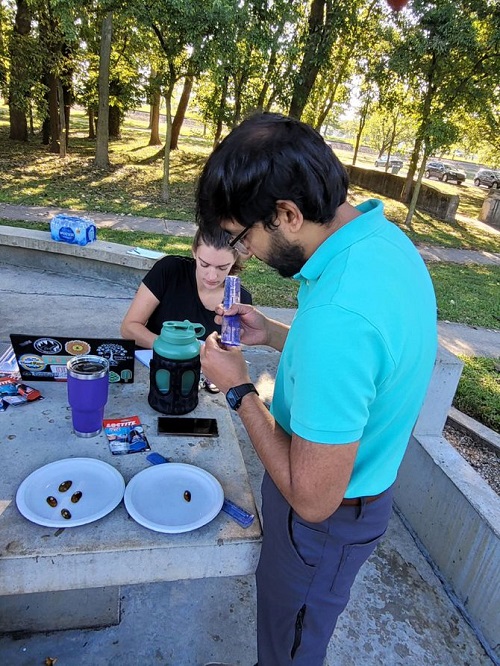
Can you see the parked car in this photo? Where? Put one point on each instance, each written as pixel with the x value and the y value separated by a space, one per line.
pixel 445 172
pixel 393 161
pixel 488 177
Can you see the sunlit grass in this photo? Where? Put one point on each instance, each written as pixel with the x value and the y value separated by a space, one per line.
pixel 427 230
pixel 33 176
pixel 478 393
pixel 467 294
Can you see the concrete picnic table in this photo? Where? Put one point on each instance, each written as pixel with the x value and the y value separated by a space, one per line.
pixel 115 550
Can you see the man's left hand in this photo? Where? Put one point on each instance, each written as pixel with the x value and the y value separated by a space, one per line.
pixel 225 366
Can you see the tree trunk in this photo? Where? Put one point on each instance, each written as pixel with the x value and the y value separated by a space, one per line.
pixel 3 49
pixel 412 167
pixel 63 133
pixel 46 120
pixel 19 89
pixel 32 124
pixel 154 137
pixel 318 43
pixel 271 66
pixel 391 143
pixel 361 126
pixel 332 92
pixel 67 101
pixel 220 114
pixel 45 132
pixel 101 160
pixel 91 114
pixel 421 133
pixel 238 85
pixel 53 114
pixel 165 184
pixel 416 191
pixel 115 121
pixel 181 111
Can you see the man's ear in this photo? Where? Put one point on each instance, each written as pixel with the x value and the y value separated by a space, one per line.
pixel 289 214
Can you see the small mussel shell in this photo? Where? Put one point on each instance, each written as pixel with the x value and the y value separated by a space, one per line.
pixel 76 497
pixel 64 486
pixel 65 514
pixel 187 495
pixel 51 501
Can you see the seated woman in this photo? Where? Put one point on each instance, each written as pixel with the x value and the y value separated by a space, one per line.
pixel 179 288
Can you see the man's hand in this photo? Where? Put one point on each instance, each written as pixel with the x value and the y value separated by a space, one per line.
pixel 256 328
pixel 252 323
pixel 225 366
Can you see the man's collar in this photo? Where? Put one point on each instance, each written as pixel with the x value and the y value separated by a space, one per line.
pixel 370 220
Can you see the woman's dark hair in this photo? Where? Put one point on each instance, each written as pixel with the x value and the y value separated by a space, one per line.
pixel 217 238
pixel 267 158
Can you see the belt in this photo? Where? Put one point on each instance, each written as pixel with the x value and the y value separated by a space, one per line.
pixel 356 501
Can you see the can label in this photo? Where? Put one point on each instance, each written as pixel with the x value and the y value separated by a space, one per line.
pixel 230 329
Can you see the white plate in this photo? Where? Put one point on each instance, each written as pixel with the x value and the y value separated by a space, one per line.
pixel 101 485
pixel 155 498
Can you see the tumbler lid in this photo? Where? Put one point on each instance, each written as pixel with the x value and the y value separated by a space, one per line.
pixel 88 367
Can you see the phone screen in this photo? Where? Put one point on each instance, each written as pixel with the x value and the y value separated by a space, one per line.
pixel 172 425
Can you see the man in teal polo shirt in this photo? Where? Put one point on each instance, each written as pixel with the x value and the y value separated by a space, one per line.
pixel 353 373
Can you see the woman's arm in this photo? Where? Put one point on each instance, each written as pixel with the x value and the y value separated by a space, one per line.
pixel 134 323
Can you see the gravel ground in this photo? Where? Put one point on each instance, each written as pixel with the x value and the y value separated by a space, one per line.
pixel 483 459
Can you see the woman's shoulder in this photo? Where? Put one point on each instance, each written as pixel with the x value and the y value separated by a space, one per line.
pixel 167 271
pixel 173 262
pixel 175 259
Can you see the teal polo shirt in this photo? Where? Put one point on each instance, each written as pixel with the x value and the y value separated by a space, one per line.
pixel 361 348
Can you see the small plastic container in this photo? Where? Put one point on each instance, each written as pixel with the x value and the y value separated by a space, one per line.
pixel 74 230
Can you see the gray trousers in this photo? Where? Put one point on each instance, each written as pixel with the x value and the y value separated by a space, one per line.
pixel 305 574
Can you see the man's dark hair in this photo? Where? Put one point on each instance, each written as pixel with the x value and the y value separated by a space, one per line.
pixel 267 158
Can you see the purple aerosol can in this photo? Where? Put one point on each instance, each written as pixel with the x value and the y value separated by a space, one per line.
pixel 230 331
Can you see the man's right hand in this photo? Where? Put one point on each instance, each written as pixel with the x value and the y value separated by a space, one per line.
pixel 256 328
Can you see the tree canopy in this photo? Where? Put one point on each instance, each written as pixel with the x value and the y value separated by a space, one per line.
pixel 417 81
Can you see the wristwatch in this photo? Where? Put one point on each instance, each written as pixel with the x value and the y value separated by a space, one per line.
pixel 235 395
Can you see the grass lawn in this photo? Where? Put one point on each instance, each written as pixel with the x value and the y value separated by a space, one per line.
pixel 478 393
pixel 33 176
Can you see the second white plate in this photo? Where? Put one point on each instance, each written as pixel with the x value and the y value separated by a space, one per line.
pixel 173 498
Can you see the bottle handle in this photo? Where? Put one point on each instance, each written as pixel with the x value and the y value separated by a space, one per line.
pixel 199 330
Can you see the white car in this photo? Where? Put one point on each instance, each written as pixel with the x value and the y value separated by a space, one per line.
pixel 393 161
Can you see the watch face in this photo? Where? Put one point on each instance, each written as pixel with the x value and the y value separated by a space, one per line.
pixel 233 398
pixel 235 395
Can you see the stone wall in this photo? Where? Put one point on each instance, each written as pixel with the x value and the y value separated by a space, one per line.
pixel 431 200
pixel 490 211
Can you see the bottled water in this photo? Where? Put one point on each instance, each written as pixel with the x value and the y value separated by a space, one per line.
pixel 75 230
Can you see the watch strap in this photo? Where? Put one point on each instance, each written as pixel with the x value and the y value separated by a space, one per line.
pixel 235 394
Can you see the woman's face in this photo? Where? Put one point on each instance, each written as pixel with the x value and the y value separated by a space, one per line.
pixel 212 265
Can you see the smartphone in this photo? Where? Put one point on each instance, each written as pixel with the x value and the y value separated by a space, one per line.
pixel 174 425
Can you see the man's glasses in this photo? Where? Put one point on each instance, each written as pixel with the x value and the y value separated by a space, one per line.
pixel 237 244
